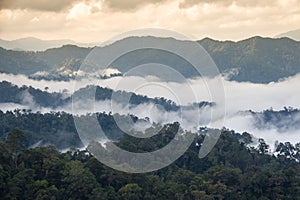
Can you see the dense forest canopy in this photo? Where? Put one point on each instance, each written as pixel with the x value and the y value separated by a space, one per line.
pixel 232 170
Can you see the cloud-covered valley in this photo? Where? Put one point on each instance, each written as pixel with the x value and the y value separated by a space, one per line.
pixel 240 97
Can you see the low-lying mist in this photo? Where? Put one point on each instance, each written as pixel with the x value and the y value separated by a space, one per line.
pixel 239 97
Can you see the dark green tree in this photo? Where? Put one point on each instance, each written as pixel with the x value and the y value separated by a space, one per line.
pixel 131 191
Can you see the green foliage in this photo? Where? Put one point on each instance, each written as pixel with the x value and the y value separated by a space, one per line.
pixel 16 141
pixel 230 171
pixel 131 191
pixel 78 182
pixel 50 128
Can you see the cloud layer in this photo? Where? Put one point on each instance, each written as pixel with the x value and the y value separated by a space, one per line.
pixel 99 20
pixel 42 5
pixel 245 3
pixel 128 5
pixel 239 97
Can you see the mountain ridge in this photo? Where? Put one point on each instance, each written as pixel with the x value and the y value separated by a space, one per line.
pixel 293 34
pixel 256 59
pixel 36 44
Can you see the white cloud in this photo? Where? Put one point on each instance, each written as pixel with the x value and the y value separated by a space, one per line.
pixel 239 97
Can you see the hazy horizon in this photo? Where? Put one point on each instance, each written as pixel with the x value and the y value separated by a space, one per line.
pixel 92 42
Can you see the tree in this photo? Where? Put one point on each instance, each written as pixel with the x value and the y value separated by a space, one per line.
pixel 262 146
pixel 78 181
pixel 4 177
pixel 16 141
pixel 21 185
pixel 43 191
pixel 131 191
pixel 247 139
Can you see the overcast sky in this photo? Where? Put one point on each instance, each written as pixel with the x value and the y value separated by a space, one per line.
pixel 98 20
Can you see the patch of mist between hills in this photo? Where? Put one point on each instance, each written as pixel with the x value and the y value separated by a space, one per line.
pixel 242 122
pixel 45 85
pixel 12 106
pixel 41 143
pixel 152 112
pixel 27 102
pixel 27 99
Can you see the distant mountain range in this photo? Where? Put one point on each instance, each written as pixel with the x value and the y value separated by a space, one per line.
pixel 35 44
pixel 257 59
pixel 295 35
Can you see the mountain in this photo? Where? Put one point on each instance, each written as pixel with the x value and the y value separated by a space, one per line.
pixel 257 59
pixel 22 62
pixel 35 44
pixel 294 34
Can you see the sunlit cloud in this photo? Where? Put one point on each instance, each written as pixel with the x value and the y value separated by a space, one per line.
pixel 43 5
pixel 98 20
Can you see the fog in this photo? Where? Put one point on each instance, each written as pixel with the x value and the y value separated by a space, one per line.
pixel 238 97
pixel 11 106
pixel 241 122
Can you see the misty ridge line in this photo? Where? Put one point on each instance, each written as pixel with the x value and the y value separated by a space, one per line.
pixel 38 44
pixel 37 100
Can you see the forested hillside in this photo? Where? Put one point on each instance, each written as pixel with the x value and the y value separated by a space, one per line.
pixel 257 59
pixel 57 129
pixel 232 170
pixel 28 95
